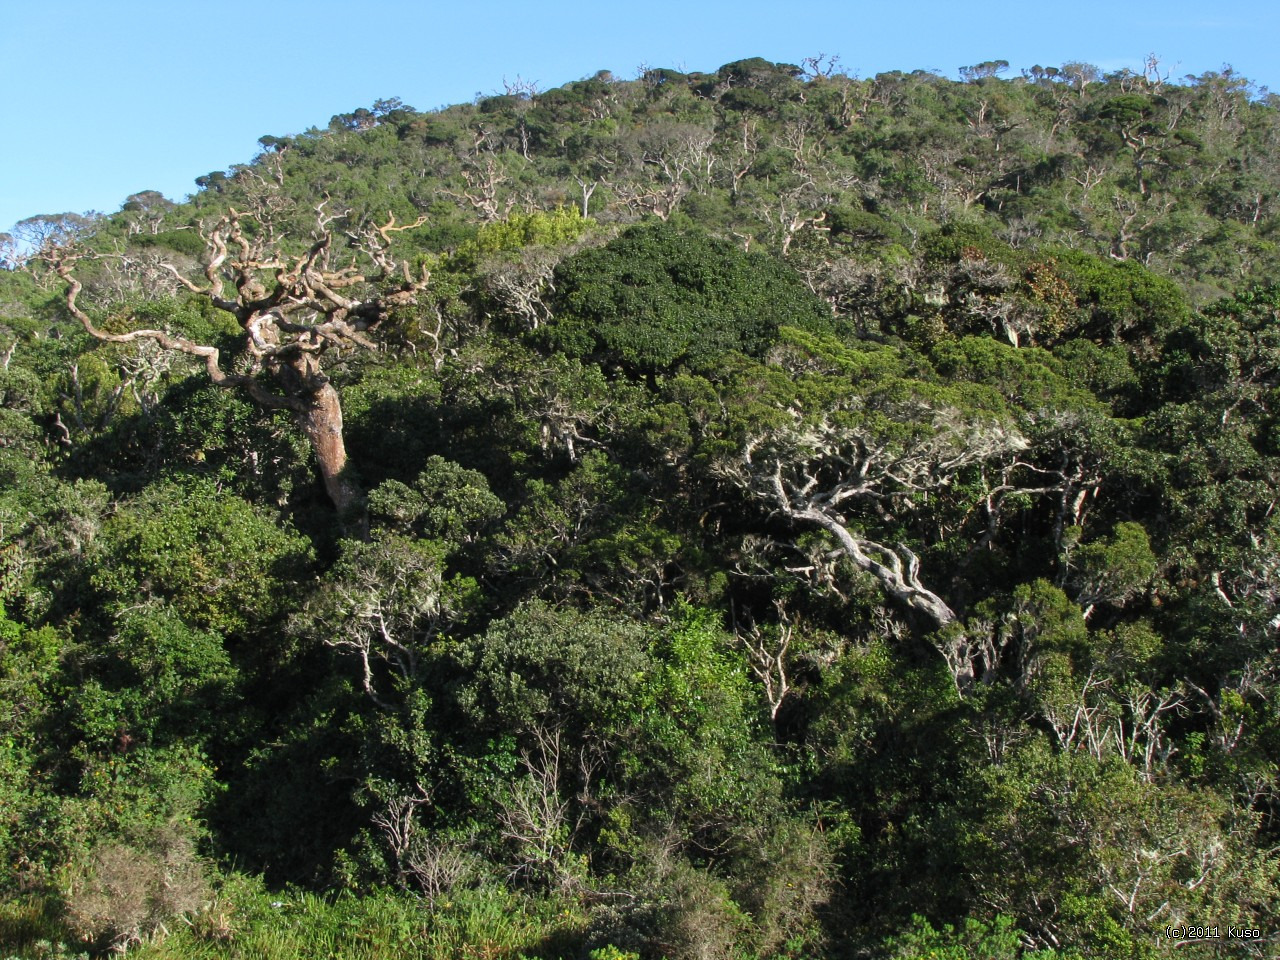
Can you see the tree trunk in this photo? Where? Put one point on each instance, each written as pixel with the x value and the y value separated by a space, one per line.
pixel 317 410
pixel 321 421
pixel 902 583
pixel 899 574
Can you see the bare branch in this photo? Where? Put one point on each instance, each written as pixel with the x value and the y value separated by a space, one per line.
pixel 62 265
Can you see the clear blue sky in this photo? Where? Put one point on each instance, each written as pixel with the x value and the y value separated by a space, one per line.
pixel 105 98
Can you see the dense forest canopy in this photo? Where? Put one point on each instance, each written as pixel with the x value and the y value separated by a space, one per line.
pixel 756 513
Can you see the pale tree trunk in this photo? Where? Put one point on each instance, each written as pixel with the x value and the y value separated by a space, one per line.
pixel 321 422
pixel 897 570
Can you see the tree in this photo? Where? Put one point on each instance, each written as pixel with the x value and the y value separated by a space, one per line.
pixel 208 555
pixel 867 446
pixel 657 297
pixel 53 228
pixel 1112 571
pixel 10 252
pixel 146 208
pixel 984 70
pixel 1079 75
pixel 384 600
pixel 292 311
pixel 1087 853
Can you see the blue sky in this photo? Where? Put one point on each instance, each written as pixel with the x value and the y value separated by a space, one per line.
pixel 109 97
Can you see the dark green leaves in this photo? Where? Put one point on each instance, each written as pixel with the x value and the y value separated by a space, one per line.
pixel 657 297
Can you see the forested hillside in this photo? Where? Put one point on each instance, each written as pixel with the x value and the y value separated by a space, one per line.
pixel 760 513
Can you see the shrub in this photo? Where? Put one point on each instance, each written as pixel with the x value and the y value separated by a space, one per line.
pixel 657 297
pixel 126 894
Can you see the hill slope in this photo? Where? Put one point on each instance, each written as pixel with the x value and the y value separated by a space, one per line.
pixel 751 513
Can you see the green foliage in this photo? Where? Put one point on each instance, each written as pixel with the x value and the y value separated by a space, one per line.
pixel 657 297
pixel 555 228
pixel 1024 378
pixel 245 918
pixel 595 534
pixel 880 719
pixel 1112 571
pixel 188 242
pixel 158 681
pixel 1056 829
pixel 698 714
pixel 48 518
pixel 221 564
pixel 998 940
pixel 29 692
pixel 1013 339
pixel 850 226
pixel 385 600
pixel 385 412
pixel 446 502
pixel 191 317
pixel 225 437
pixel 542 667
pixel 1122 300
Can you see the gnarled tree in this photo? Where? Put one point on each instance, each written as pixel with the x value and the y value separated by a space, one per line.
pixel 864 449
pixel 293 310
pixel 814 471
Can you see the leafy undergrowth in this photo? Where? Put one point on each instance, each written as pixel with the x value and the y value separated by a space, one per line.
pixel 246 920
